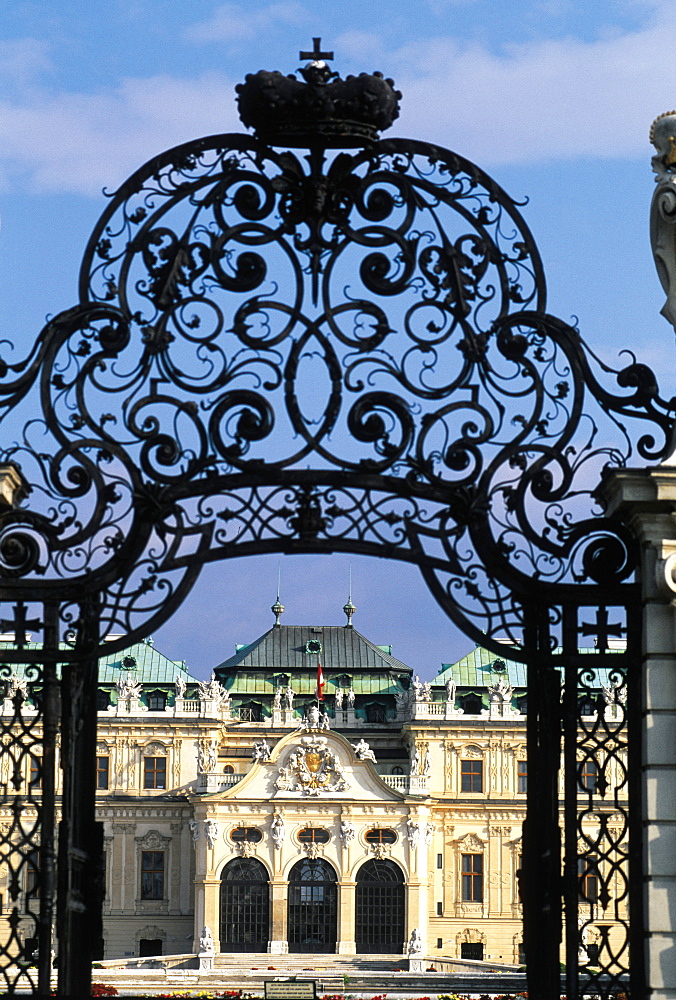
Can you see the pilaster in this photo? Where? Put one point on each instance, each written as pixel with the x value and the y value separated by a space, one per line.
pixel 646 500
pixel 347 891
pixel 279 944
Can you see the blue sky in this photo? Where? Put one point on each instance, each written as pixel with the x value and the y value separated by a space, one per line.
pixel 554 98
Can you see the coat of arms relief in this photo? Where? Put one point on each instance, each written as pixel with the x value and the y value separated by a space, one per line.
pixel 311 768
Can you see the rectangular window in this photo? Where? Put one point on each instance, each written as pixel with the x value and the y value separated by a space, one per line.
pixel 102 771
pixel 472 951
pixel 154 772
pixel 152 875
pixel 440 942
pixel 589 776
pixel 472 878
pixel 33 875
pixel 472 775
pixel 588 878
pixel 35 777
pixel 440 909
pixel 522 776
pixel 440 861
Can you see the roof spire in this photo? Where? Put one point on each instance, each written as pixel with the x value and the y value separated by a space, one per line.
pixel 349 608
pixel 278 608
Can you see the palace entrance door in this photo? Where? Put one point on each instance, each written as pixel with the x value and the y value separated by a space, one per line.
pixel 313 907
pixel 379 908
pixel 245 906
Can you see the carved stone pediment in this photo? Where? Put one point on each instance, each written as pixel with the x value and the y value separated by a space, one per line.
pixel 155 749
pixel 311 768
pixel 470 843
pixel 153 841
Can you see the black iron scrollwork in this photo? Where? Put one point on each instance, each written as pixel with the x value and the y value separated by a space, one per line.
pixel 377 318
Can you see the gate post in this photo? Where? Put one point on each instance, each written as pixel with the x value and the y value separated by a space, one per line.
pixel 540 877
pixel 646 500
pixel 80 897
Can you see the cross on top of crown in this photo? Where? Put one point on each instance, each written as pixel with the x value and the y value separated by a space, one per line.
pixel 316 55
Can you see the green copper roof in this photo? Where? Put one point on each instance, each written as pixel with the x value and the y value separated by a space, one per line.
pixel 476 671
pixel 152 667
pixel 249 683
pixel 282 649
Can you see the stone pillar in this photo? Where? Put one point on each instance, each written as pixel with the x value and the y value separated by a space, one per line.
pixel 347 890
pixel 646 500
pixel 212 909
pixel 279 944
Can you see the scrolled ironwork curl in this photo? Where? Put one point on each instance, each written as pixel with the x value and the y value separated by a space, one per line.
pixel 375 319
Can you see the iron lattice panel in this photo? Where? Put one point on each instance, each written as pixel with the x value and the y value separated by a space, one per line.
pixel 245 907
pixel 21 819
pixel 379 909
pixel 600 862
pixel 312 922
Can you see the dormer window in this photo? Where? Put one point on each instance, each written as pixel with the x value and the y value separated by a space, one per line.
pixel 471 704
pixel 157 701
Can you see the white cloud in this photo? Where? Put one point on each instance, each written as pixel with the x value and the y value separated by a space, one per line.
pixel 84 142
pixel 543 100
pixel 231 23
pixel 548 99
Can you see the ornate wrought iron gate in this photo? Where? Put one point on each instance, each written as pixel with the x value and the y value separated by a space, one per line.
pixel 342 350
pixel 380 906
pixel 312 923
pixel 245 906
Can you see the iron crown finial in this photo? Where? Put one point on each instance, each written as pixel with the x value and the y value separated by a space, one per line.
pixel 321 110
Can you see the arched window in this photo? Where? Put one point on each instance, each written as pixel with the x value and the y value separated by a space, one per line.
pixel 246 834
pixel 380 836
pixel 313 835
pixel 397 770
pixel 379 908
pixel 245 906
pixel 312 907
pixel 228 769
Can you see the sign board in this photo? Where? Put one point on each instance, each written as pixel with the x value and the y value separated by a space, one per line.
pixel 290 990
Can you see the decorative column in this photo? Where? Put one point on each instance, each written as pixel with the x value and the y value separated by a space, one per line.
pixel 646 500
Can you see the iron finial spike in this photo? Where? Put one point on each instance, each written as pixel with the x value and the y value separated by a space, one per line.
pixel 349 608
pixel 316 55
pixel 278 608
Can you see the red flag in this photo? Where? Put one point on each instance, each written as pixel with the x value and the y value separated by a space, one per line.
pixel 319 693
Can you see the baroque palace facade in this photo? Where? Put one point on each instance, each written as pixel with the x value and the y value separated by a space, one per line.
pixel 390 812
